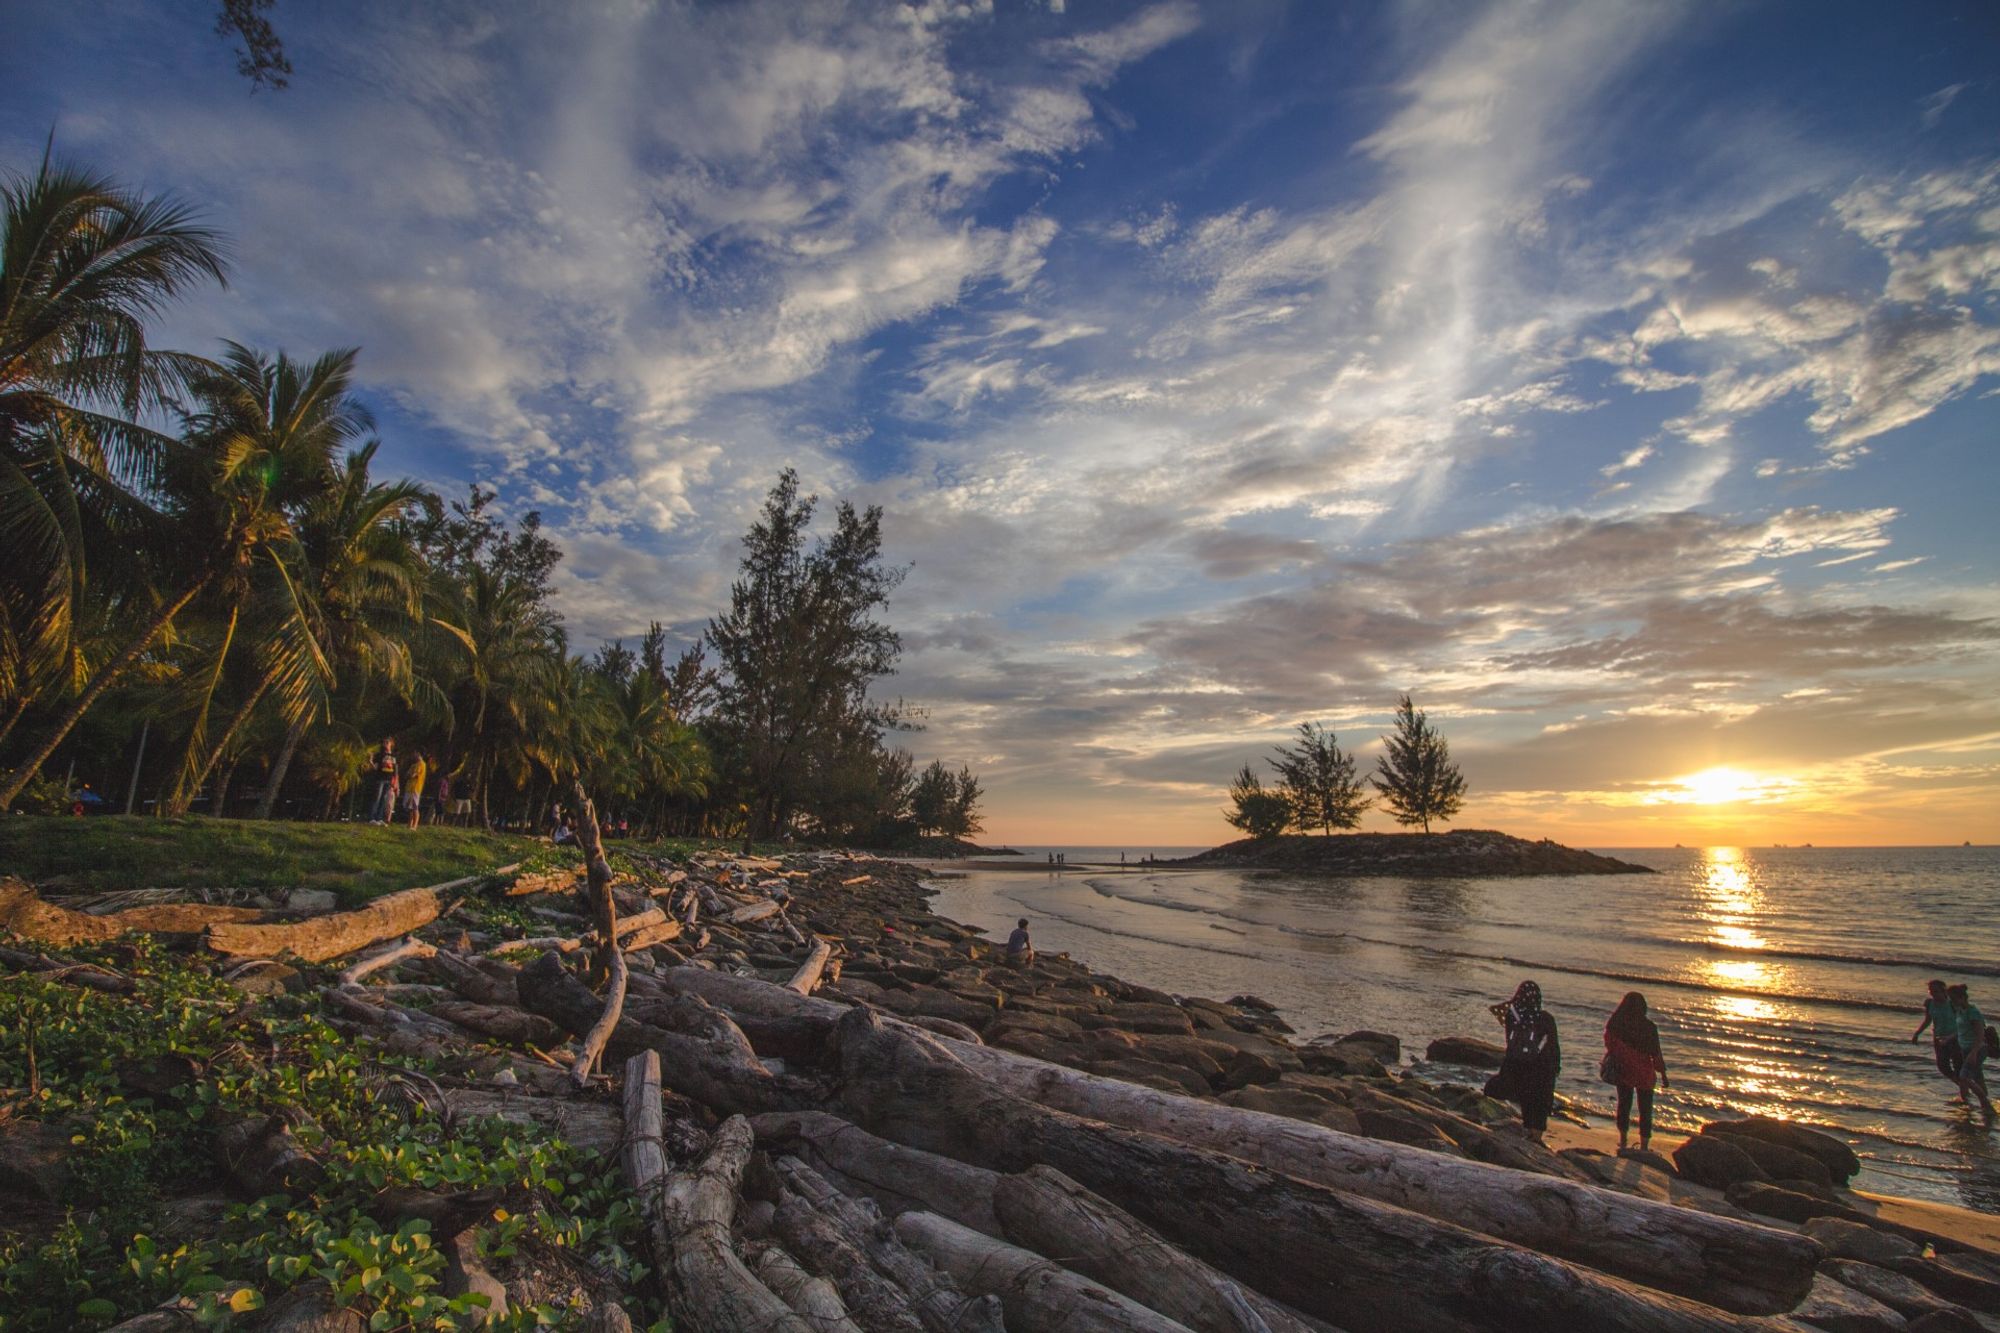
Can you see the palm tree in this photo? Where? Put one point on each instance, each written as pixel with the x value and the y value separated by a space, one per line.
pixel 504 641
pixel 366 582
pixel 268 433
pixel 261 439
pixel 83 264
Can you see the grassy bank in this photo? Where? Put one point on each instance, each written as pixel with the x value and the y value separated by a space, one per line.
pixel 356 860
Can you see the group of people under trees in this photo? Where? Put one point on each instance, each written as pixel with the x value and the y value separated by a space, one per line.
pixel 399 789
pixel 1961 1040
pixel 1632 1062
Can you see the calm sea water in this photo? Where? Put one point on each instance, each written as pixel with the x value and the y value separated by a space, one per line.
pixel 1785 981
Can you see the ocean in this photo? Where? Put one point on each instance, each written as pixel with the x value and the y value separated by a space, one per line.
pixel 1785 981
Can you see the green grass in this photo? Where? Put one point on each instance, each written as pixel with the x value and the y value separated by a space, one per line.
pixel 356 860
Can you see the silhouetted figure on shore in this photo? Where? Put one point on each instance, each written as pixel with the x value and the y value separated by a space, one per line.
pixel 1534 1055
pixel 1942 1020
pixel 1631 1060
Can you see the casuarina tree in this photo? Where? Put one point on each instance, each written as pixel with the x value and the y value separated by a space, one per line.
pixel 1257 810
pixel 1415 775
pixel 1316 778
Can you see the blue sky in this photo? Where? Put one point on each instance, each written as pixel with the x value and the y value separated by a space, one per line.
pixel 1617 378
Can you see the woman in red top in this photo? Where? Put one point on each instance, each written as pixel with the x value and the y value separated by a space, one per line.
pixel 1632 1050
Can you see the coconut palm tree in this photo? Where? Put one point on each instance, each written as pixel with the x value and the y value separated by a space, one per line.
pixel 259 441
pixel 83 265
pixel 502 642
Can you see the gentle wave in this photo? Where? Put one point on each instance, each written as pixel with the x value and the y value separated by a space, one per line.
pixel 1942 966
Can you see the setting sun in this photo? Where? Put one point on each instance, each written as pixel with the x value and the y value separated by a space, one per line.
pixel 1723 786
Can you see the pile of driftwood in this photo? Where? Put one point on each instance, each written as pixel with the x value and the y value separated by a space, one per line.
pixel 805 1163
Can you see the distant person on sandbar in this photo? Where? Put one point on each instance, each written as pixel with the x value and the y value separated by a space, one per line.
pixel 1631 1059
pixel 1977 1041
pixel 1020 949
pixel 1534 1056
pixel 1942 1020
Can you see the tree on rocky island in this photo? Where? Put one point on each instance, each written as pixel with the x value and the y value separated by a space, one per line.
pixel 945 802
pixel 1257 810
pixel 1317 780
pixel 1415 775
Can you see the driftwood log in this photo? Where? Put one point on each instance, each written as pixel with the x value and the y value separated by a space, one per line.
pixel 1036 1292
pixel 1734 1265
pixel 375 962
pixel 1333 1256
pixel 809 971
pixel 24 913
pixel 873 1301
pixel 609 960
pixel 815 1298
pixel 688 1216
pixel 900 1179
pixel 319 938
pixel 1045 1211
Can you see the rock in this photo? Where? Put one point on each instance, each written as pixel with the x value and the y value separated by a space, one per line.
pixel 1252 1002
pixel 1296 1104
pixel 1408 1129
pixel 1342 1059
pixel 1164 1019
pixel 1133 993
pixel 1778 1161
pixel 936 1003
pixel 1065 1007
pixel 1167 1078
pixel 1955 1282
pixel 1649 1158
pixel 465 1275
pixel 1899 1293
pixel 1013 1019
pixel 1386 1046
pixel 1948 1320
pixel 1623 1174
pixel 1851 1240
pixel 1039 1045
pixel 1788 1205
pixel 1715 1162
pixel 34 1160
pixel 1258 1059
pixel 1204 1057
pixel 1839 1159
pixel 1841 1309
pixel 609 1317
pixel 306 1308
pixel 311 900
pixel 1468 1051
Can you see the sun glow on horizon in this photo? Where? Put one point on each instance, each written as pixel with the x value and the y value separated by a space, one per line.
pixel 1723 786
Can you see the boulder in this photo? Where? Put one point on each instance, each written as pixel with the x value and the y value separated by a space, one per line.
pixel 1252 1002
pixel 1958 1282
pixel 1387 1046
pixel 1133 993
pixel 1948 1320
pixel 1038 1044
pixel 1167 1078
pixel 311 900
pixel 1779 1162
pixel 1341 1060
pixel 1841 1309
pixel 1018 1020
pixel 1399 1128
pixel 1852 1240
pixel 1787 1205
pixel 34 1160
pixel 1622 1174
pixel 1840 1160
pixel 1648 1157
pixel 944 1004
pixel 1715 1162
pixel 1164 1019
pixel 1468 1051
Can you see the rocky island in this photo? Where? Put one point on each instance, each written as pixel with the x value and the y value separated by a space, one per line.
pixel 1466 853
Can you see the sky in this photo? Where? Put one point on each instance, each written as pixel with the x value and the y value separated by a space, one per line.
pixel 1617 379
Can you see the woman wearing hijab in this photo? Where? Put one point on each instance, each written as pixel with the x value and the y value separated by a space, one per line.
pixel 1631 1059
pixel 1528 1070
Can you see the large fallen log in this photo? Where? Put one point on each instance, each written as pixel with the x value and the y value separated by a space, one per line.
pixel 316 939
pixel 1045 1211
pixel 1735 1265
pixel 940 1305
pixel 1332 1255
pixel 873 1301
pixel 688 1215
pixel 815 1298
pixel 586 1124
pixel 900 1179
pixel 1036 1292
pixel 711 1061
pixel 23 912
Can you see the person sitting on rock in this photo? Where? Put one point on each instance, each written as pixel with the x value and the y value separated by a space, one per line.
pixel 1631 1058
pixel 1020 949
pixel 1534 1057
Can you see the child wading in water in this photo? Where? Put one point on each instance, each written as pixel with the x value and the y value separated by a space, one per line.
pixel 1631 1059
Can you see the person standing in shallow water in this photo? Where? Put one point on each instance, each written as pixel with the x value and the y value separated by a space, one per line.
pixel 1942 1020
pixel 1632 1057
pixel 1975 1038
pixel 1534 1056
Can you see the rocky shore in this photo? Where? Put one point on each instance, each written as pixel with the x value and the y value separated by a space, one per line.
pixel 1461 853
pixel 838 1110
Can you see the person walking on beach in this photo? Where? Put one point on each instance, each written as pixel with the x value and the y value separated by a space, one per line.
pixel 1942 1020
pixel 1631 1059
pixel 413 788
pixel 1020 949
pixel 1534 1056
pixel 1976 1039
pixel 383 765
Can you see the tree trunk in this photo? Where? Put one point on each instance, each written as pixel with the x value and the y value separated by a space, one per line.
pixel 1036 1292
pixel 609 961
pixel 322 937
pixel 900 1179
pixel 12 785
pixel 809 971
pixel 1333 1256
pixel 1045 1211
pixel 222 785
pixel 273 784
pixel 813 1297
pixel 13 717
pixel 23 913
pixel 1736 1265
pixel 184 798
pixel 688 1217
